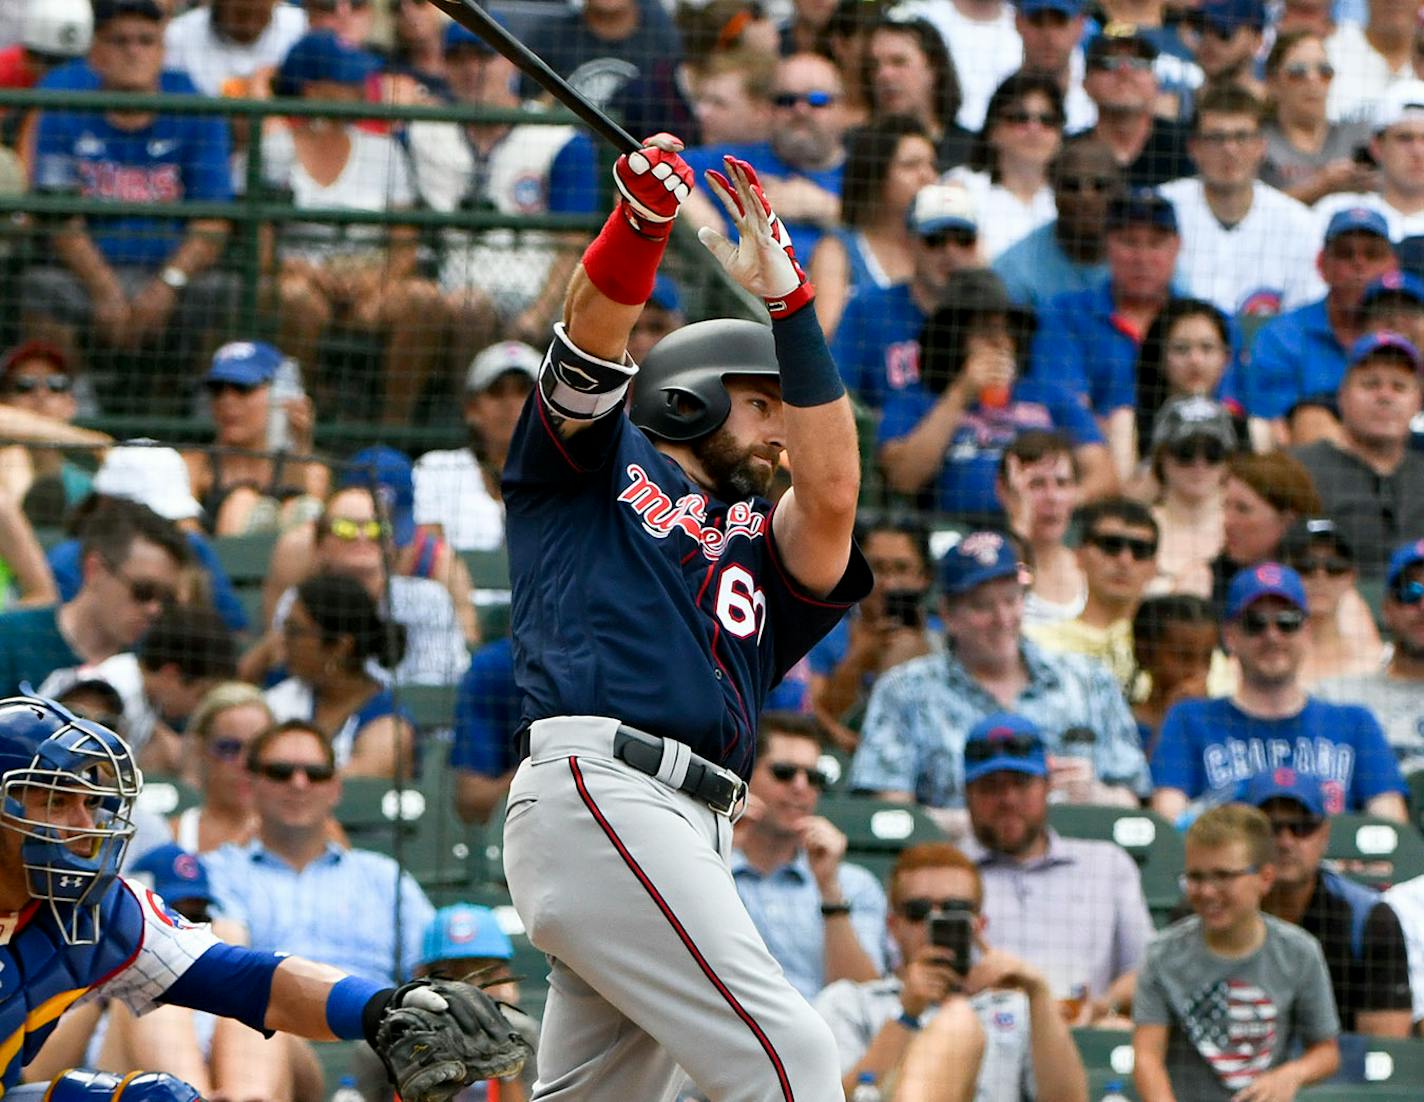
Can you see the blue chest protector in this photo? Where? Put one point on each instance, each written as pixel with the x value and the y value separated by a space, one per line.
pixel 41 975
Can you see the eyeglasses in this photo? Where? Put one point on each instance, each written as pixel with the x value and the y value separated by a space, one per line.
pixel 1228 137
pixel 1045 119
pixel 28 384
pixel 1334 565
pixel 1297 828
pixel 1077 185
pixel 1198 447
pixel 283 771
pixel 227 749
pixel 785 772
pixel 1302 70
pixel 144 591
pixel 217 387
pixel 1212 878
pixel 1015 746
pixel 1120 64
pixel 921 907
pixel 1113 545
pixel 349 531
pixel 810 99
pixel 1287 621
pixel 1408 593
pixel 960 238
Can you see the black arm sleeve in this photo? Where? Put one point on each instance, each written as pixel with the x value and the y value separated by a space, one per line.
pixel 1386 962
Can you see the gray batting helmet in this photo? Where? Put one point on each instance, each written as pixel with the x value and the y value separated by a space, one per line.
pixel 679 393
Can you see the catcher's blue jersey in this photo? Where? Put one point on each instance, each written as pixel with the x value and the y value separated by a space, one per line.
pixel 639 597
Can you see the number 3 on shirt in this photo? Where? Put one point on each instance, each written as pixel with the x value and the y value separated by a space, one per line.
pixel 741 605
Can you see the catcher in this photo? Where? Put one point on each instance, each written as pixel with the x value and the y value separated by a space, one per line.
pixel 72 929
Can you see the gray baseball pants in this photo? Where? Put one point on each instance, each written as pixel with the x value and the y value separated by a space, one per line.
pixel 655 964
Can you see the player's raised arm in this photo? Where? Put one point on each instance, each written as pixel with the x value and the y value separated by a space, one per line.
pixel 588 373
pixel 814 520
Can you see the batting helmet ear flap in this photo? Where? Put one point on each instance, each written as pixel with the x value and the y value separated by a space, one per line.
pixel 694 411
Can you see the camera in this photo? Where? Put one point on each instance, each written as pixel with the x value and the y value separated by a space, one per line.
pixel 954 932
pixel 902 606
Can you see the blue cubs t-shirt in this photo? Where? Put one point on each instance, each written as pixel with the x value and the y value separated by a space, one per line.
pixel 877 343
pixel 763 158
pixel 175 158
pixel 1212 746
pixel 965 483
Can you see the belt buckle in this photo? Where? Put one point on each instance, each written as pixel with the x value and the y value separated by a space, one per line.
pixel 735 803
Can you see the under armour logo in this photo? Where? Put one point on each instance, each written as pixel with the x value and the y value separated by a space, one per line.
pixel 70 881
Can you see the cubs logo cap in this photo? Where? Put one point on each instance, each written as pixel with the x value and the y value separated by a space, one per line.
pixel 977 558
pixel 1383 340
pixel 464 930
pixel 173 873
pixel 1267 579
pixel 1285 783
pixel 390 475
pixel 245 363
pixel 1004 742
pixel 1357 220
pixel 1411 554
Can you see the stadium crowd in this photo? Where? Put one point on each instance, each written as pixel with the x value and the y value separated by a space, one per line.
pixel 1130 297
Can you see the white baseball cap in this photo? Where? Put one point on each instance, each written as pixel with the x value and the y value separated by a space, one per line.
pixel 1404 99
pixel 498 359
pixel 152 475
pixel 940 207
pixel 58 28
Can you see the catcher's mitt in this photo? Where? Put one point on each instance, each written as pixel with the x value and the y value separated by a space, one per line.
pixel 440 1035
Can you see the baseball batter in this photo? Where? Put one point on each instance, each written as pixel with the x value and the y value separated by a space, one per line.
pixel 657 598
pixel 71 931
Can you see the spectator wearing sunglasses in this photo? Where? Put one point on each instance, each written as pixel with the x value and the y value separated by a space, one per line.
pixel 1210 747
pixel 1371 481
pixel 39 398
pixel 1225 38
pixel 1190 443
pixel 1393 693
pixel 875 345
pixel 1308 156
pixel 1342 643
pixel 912 741
pixel 823 919
pixel 996 1031
pixel 330 636
pixel 1299 358
pixel 1067 254
pixel 1120 79
pixel 293 889
pixel 1359 932
pixel 247 493
pixel 225 723
pixel 1117 553
pixel 1008 168
pixel 1031 874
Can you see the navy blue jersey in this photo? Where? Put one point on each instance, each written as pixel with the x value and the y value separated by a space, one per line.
pixel 638 596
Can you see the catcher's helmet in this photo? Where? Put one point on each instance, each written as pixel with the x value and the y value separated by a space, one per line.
pixel 47 754
pixel 679 394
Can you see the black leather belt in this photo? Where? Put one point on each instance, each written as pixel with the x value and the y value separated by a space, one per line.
pixel 720 789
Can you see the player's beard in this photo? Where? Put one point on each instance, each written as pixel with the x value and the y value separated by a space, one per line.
pixel 730 467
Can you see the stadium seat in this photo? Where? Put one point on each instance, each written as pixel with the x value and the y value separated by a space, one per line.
pixel 245 558
pixel 430 706
pixel 1151 840
pixel 835 764
pixel 335 1058
pixel 1375 851
pixel 488 569
pixel 877 830
pixel 167 795
pixel 1105 1050
pixel 1415 781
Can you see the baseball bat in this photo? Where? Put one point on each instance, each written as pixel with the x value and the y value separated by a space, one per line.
pixel 478 21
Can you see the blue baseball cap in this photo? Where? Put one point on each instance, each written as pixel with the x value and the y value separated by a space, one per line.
pixel 173 873
pixel 1396 284
pixel 1356 220
pixel 1229 15
pixel 1004 742
pixel 461 931
pixel 321 55
pixel 1284 783
pixel 1266 579
pixel 978 558
pixel 395 485
pixel 1069 8
pixel 458 37
pixel 666 294
pixel 1411 554
pixel 1383 340
pixel 1142 206
pixel 245 363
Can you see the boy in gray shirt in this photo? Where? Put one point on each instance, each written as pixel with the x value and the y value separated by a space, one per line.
pixel 1225 994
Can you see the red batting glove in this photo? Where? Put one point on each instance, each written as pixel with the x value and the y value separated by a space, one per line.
pixel 653 181
pixel 804 291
